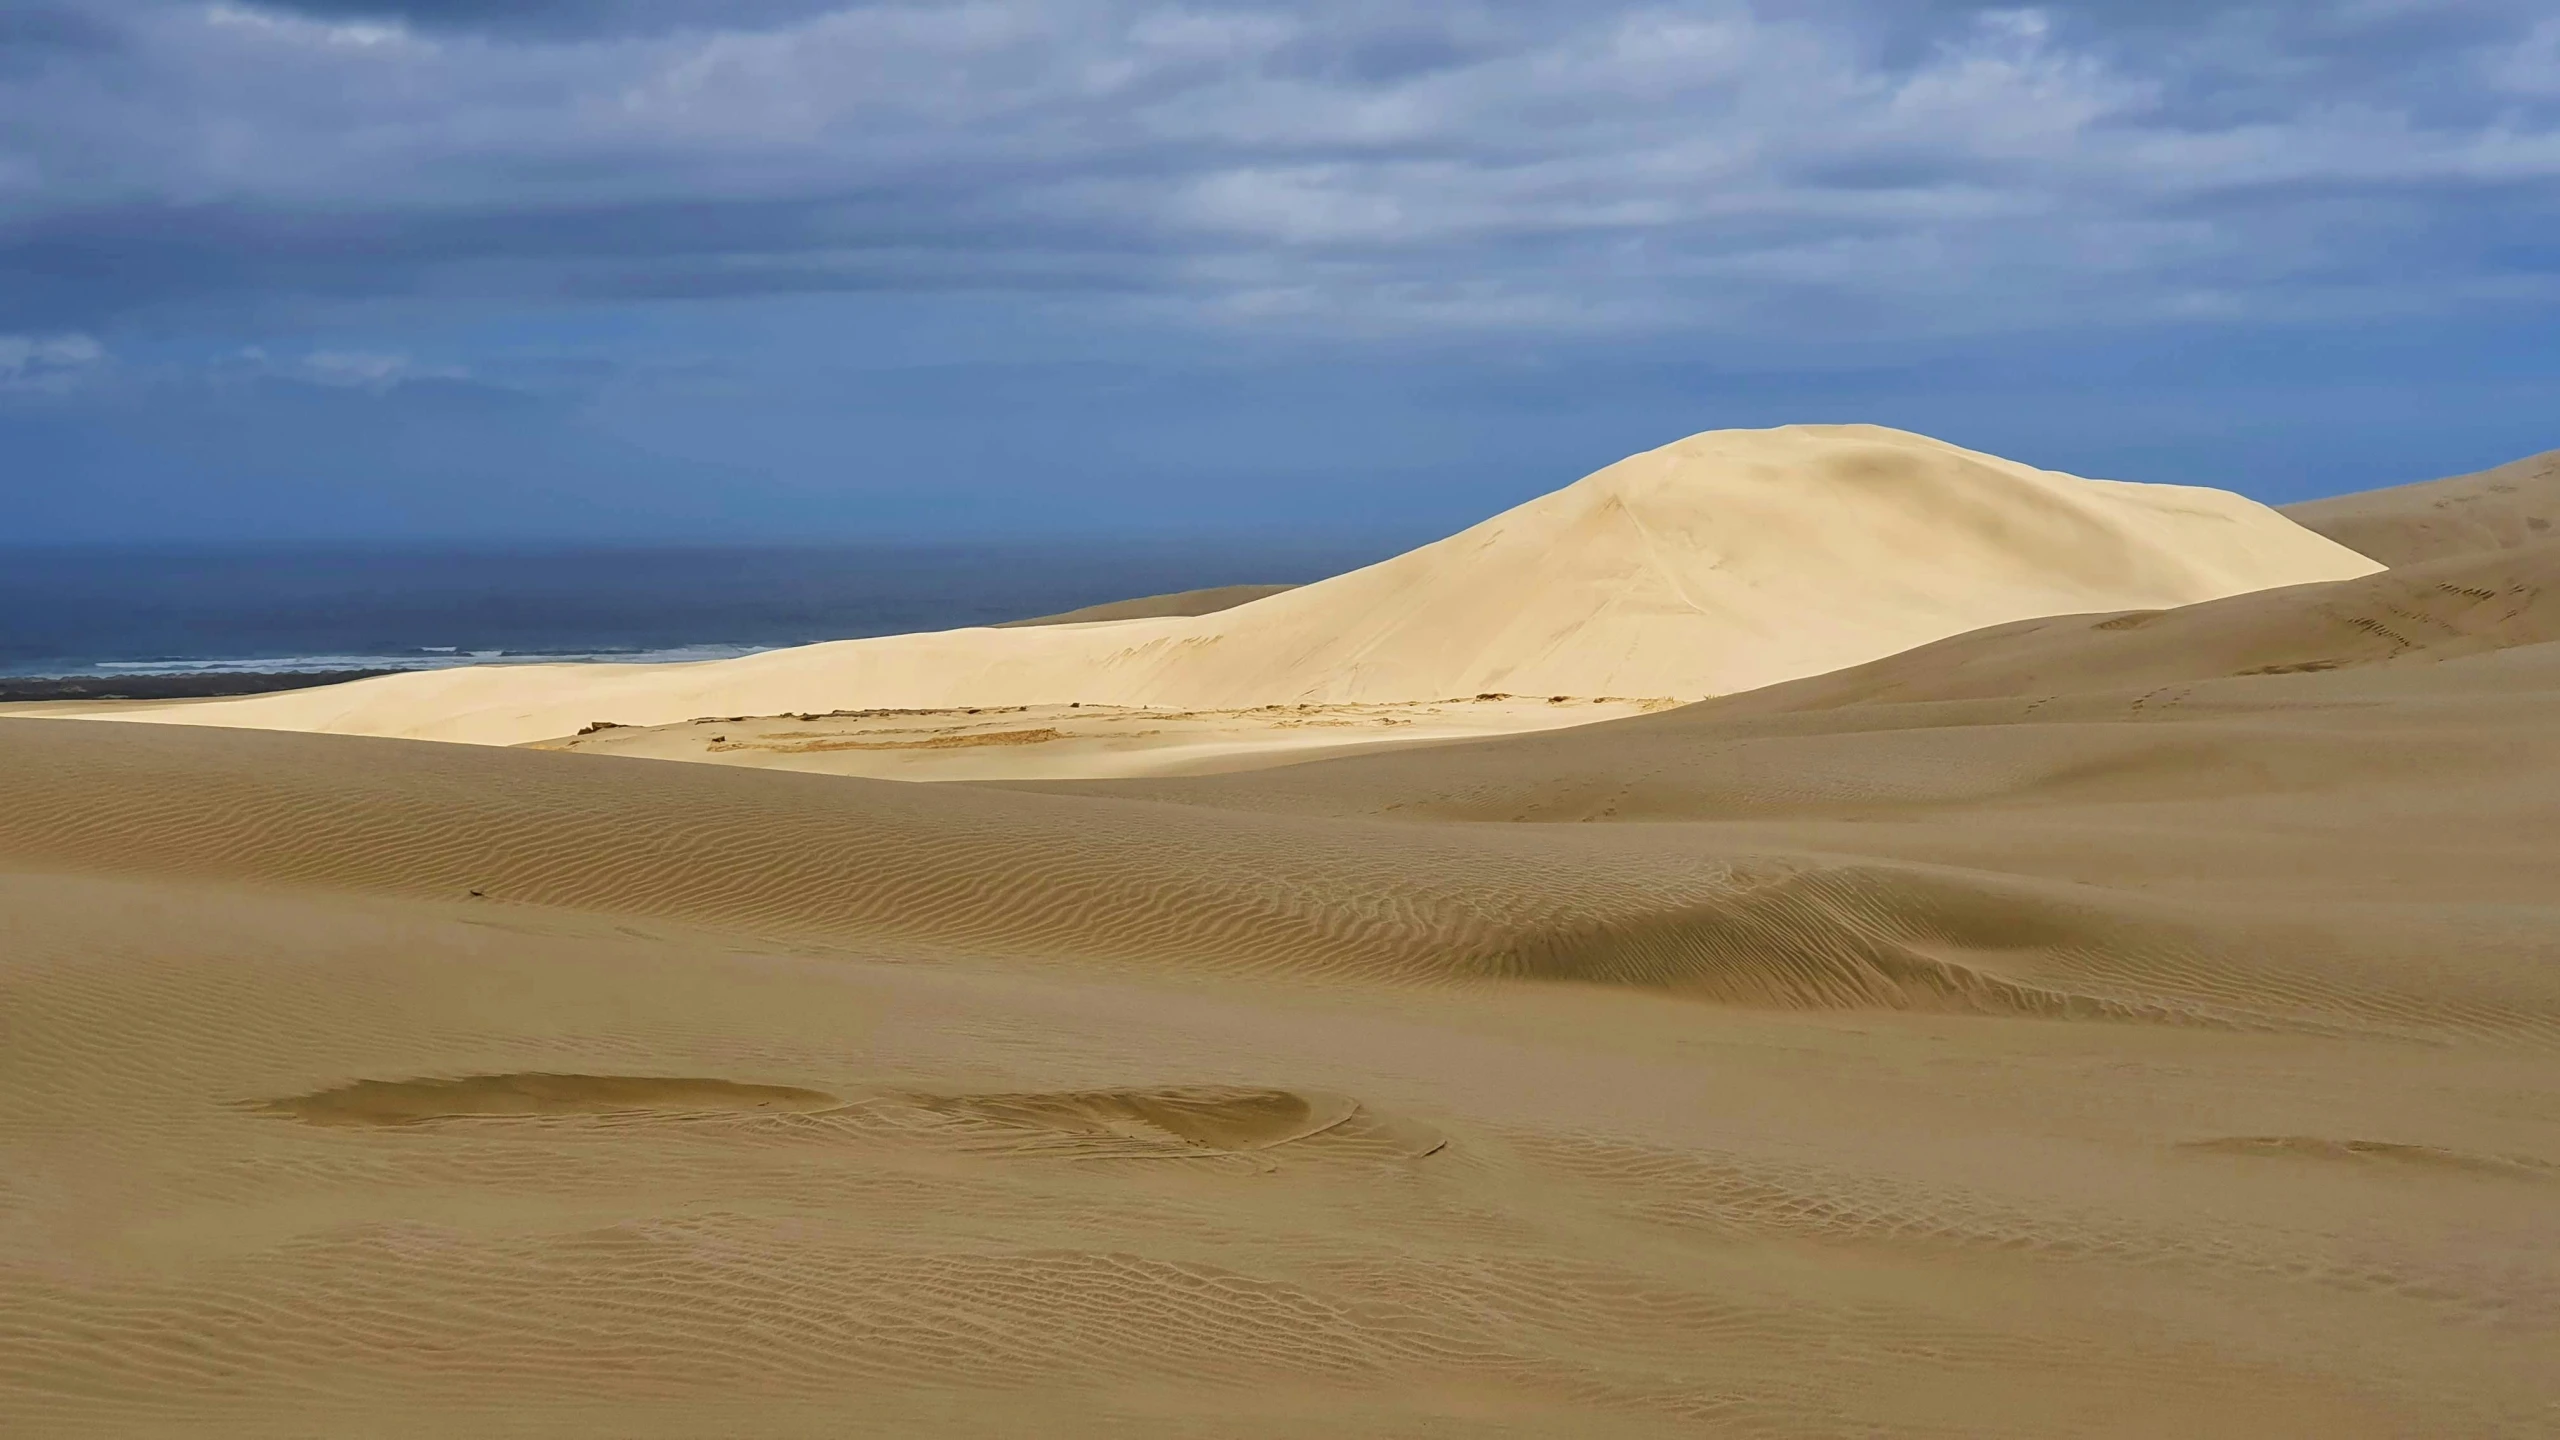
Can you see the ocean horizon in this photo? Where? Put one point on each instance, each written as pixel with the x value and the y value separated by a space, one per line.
pixel 103 610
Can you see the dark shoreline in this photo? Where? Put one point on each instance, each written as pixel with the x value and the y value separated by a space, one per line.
pixel 170 687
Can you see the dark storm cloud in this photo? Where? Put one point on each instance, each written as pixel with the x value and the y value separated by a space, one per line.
pixel 1392 165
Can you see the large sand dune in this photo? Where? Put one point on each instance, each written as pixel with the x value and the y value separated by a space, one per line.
pixel 2129 1023
pixel 2110 1045
pixel 1721 563
pixel 2436 610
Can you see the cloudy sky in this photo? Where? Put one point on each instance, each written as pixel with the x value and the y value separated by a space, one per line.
pixel 328 268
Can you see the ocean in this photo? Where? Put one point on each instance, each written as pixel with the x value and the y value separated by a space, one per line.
pixel 178 611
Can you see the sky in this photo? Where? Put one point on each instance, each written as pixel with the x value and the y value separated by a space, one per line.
pixel 317 270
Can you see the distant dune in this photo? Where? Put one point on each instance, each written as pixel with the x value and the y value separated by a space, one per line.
pixel 2513 505
pixel 1721 563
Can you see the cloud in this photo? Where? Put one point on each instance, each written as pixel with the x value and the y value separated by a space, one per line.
pixel 1323 166
pixel 370 369
pixel 48 364
pixel 2533 67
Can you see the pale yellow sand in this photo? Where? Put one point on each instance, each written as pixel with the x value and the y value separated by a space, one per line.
pixel 1721 563
pixel 2437 610
pixel 1069 742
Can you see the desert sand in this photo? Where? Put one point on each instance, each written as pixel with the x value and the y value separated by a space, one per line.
pixel 2512 505
pixel 1084 742
pixel 1724 562
pixel 2142 1022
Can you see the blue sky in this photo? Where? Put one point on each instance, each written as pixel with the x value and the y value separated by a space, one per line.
pixel 657 269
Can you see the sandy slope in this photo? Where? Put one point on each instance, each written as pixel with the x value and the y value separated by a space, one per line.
pixel 2430 611
pixel 2170 1059
pixel 1723 562
pixel 2513 505
pixel 1149 607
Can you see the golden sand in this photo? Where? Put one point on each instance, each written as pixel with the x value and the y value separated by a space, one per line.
pixel 2139 1023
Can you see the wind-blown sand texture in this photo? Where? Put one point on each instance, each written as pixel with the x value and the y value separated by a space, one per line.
pixel 1724 562
pixel 2056 1057
pixel 2130 1023
pixel 2513 505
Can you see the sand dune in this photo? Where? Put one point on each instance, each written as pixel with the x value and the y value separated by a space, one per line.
pixel 2103 1062
pixel 1721 563
pixel 2513 505
pixel 2128 1023
pixel 2438 610
pixel 2430 611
